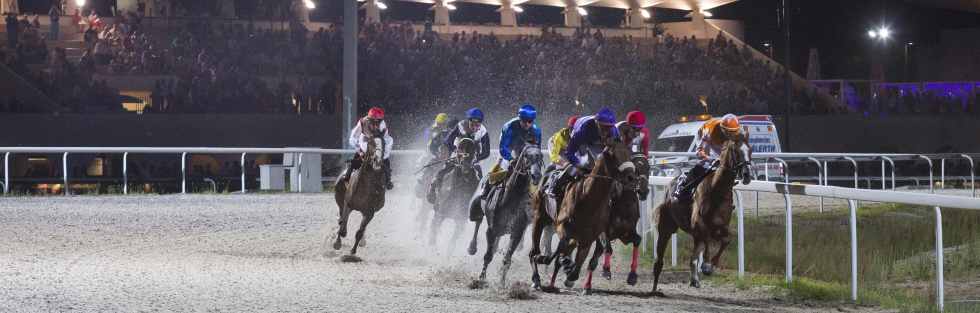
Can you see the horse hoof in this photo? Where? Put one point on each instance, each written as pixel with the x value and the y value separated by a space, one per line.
pixel 336 244
pixel 569 283
pixel 472 249
pixel 362 243
pixel 536 285
pixel 631 279
pixel 696 284
pixel 587 292
pixel 707 269
pixel 607 274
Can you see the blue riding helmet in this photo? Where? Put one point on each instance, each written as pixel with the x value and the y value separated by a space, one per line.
pixel 474 113
pixel 527 113
pixel 605 117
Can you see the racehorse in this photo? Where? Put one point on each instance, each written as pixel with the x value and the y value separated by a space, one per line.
pixel 454 195
pixel 708 216
pixel 624 212
pixel 438 151
pixel 364 191
pixel 583 214
pixel 506 209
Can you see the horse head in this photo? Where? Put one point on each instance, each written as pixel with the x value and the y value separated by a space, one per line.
pixel 617 158
pixel 530 161
pixel 642 165
pixel 375 150
pixel 465 155
pixel 736 156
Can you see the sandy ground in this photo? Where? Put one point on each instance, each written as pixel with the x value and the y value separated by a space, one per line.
pixel 269 253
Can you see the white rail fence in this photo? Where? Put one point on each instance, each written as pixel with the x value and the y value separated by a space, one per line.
pixel 849 194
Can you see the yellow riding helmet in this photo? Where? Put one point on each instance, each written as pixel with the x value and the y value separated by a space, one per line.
pixel 730 122
pixel 442 118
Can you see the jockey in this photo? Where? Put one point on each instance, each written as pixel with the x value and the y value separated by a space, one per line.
pixel 711 138
pixel 359 138
pixel 441 122
pixel 559 142
pixel 519 130
pixel 586 142
pixel 634 131
pixel 436 146
pixel 472 128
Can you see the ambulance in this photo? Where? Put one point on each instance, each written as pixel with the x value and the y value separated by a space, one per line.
pixel 680 138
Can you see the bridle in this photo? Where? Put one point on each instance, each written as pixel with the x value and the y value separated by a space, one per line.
pixel 733 159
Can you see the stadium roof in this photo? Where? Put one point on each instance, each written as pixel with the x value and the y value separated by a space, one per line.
pixel 959 5
pixel 619 4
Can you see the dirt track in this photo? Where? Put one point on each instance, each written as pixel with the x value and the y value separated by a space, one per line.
pixel 270 253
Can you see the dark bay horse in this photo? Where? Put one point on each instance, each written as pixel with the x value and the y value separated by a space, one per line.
pixel 507 210
pixel 428 174
pixel 452 199
pixel 624 212
pixel 364 191
pixel 708 216
pixel 582 217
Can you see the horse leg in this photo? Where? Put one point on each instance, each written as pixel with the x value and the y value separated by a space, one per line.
pixel 725 240
pixel 459 229
pixel 492 241
pixel 571 274
pixel 515 240
pixel 593 263
pixel 360 231
pixel 637 241
pixel 563 249
pixel 537 226
pixel 695 254
pixel 342 231
pixel 663 240
pixel 476 232
pixel 434 227
pixel 706 268
pixel 607 247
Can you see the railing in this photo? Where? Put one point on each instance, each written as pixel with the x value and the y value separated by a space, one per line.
pixel 852 196
pixel 183 151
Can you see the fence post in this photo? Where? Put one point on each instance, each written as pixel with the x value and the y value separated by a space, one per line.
pixel 789 238
pixel 741 235
pixel 673 250
pixel 299 173
pixel 939 258
pixel 820 178
pixel 6 173
pixel 942 173
pixel 855 171
pixel 125 176
pixel 854 256
pixel 183 172
pixel 64 165
pixel 243 172
pixel 930 171
pixel 882 175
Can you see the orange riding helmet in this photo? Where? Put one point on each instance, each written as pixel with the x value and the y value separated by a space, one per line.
pixel 729 122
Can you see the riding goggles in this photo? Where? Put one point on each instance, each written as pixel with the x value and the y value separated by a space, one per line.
pixel 476 121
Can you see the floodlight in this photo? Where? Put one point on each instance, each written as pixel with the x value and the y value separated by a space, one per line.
pixel 582 11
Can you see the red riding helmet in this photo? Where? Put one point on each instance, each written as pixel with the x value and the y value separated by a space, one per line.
pixel 571 121
pixel 636 119
pixel 376 113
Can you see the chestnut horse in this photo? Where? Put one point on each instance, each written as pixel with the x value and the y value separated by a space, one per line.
pixel 364 191
pixel 623 214
pixel 582 217
pixel 452 200
pixel 708 216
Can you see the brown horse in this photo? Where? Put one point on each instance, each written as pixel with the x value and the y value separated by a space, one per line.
pixel 364 191
pixel 708 216
pixel 623 214
pixel 453 198
pixel 441 152
pixel 583 214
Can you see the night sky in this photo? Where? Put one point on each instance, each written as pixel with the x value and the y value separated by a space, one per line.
pixel 837 28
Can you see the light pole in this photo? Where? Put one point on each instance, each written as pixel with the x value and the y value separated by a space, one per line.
pixel 906 68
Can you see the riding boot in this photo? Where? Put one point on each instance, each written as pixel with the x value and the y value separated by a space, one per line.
pixel 687 184
pixel 386 168
pixel 561 182
pixel 485 191
pixel 352 164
